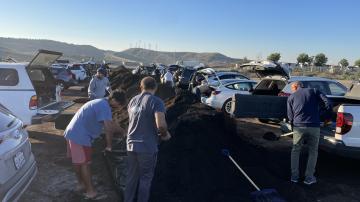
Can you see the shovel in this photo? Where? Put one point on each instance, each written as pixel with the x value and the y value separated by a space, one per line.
pixel 273 137
pixel 264 195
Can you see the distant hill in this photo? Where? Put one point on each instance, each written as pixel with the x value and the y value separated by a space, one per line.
pixel 28 47
pixel 149 56
pixel 24 49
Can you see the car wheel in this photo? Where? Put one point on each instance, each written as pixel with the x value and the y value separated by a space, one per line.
pixel 227 106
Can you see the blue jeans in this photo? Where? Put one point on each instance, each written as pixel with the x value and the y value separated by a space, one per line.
pixel 311 135
pixel 140 172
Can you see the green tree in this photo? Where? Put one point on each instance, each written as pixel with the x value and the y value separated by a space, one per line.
pixel 275 57
pixel 343 62
pixel 357 63
pixel 303 58
pixel 320 60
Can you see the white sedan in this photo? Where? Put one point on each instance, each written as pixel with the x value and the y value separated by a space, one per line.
pixel 222 94
pixel 79 71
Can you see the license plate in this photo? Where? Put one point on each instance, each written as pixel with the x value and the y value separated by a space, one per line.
pixel 19 160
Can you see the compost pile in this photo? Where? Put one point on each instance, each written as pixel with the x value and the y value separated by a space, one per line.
pixel 122 79
pixel 190 166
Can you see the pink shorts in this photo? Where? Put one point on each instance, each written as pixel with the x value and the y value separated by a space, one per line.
pixel 79 154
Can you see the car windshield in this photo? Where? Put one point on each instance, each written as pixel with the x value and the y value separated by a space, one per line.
pixel 6 119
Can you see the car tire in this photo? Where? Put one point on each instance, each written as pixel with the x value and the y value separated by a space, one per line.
pixel 227 106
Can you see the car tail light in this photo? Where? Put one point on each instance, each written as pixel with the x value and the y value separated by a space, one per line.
pixel 283 94
pixel 33 102
pixel 344 122
pixel 215 92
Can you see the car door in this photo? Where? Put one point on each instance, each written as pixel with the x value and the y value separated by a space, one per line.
pixel 16 91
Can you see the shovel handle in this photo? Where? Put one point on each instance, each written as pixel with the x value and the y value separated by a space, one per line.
pixel 287 134
pixel 227 153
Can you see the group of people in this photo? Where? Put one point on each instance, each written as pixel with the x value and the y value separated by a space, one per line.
pixel 147 127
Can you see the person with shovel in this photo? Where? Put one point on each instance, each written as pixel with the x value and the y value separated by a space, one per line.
pixel 86 125
pixel 146 125
pixel 304 107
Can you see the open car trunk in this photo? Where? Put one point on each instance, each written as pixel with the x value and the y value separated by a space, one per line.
pixel 44 83
pixel 267 69
pixel 41 77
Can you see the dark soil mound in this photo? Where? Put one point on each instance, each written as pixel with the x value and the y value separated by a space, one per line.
pixel 122 79
pixel 191 166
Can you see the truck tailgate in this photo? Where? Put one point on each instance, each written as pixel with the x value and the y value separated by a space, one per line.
pixel 58 107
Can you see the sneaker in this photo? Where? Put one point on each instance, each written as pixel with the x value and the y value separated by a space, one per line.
pixel 294 179
pixel 310 180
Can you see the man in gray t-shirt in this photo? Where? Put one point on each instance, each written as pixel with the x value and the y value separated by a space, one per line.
pixel 147 125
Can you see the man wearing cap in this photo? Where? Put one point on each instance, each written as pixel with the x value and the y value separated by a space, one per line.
pixel 99 84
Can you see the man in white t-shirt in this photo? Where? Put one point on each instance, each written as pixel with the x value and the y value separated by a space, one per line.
pixel 168 78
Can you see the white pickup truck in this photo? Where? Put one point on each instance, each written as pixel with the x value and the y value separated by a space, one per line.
pixel 342 137
pixel 29 89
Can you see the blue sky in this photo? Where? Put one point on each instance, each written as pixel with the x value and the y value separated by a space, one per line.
pixel 237 28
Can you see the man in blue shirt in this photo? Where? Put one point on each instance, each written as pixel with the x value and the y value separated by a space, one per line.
pixel 86 125
pixel 304 107
pixel 147 125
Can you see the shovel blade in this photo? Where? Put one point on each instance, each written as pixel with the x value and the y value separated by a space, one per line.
pixel 266 195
